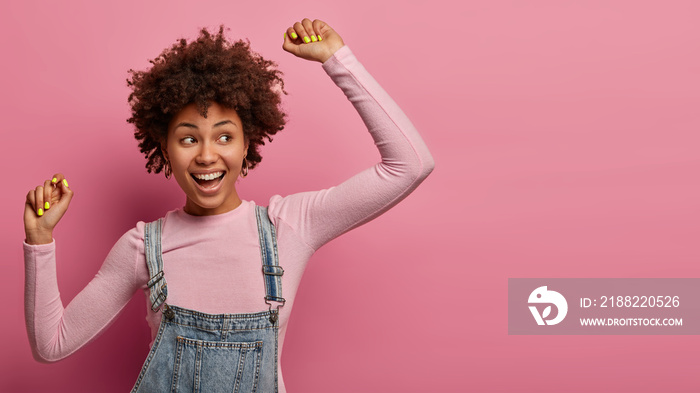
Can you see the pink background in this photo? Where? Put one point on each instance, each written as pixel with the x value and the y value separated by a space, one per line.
pixel 566 141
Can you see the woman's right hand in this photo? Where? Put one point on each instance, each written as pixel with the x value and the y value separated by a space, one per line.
pixel 44 207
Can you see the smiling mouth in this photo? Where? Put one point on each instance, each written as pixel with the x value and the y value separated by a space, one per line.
pixel 209 180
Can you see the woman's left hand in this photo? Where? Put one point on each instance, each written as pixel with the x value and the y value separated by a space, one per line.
pixel 312 40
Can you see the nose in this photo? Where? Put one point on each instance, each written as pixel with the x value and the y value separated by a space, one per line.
pixel 207 154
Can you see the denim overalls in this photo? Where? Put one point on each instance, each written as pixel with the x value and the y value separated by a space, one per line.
pixel 198 352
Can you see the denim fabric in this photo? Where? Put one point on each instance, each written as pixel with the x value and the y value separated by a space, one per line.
pixel 199 352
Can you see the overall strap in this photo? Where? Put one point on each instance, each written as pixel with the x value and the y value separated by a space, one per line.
pixel 156 283
pixel 272 272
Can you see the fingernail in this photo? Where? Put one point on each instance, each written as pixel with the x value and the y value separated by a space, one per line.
pixel 40 212
pixel 54 180
pixel 46 205
pixel 294 35
pixel 65 182
pixel 307 39
pixel 320 38
pixel 313 38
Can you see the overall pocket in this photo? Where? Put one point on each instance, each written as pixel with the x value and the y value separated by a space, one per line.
pixel 216 366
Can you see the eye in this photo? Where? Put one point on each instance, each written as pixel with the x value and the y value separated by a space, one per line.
pixel 188 140
pixel 226 138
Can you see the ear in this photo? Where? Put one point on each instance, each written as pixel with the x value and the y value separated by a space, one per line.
pixel 164 149
pixel 246 148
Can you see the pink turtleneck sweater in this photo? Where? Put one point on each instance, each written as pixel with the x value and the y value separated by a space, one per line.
pixel 202 269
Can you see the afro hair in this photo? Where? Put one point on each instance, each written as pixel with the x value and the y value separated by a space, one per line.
pixel 208 69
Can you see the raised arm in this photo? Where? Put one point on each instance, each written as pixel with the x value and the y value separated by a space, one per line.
pixel 54 331
pixel 405 160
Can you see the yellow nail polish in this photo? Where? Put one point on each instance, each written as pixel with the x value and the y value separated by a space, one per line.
pixel 307 39
pixel 40 212
pixel 65 182
pixel 313 38
pixel 294 35
pixel 46 205
pixel 54 180
pixel 320 38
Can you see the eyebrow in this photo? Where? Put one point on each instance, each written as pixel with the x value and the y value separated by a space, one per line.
pixel 190 125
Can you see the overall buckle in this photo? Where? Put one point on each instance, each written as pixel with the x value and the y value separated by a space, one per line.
pixel 274 315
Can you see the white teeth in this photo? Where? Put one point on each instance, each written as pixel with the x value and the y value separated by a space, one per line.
pixel 207 176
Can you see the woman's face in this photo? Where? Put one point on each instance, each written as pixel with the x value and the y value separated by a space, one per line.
pixel 206 155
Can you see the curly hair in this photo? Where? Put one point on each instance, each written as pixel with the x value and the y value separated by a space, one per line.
pixel 209 69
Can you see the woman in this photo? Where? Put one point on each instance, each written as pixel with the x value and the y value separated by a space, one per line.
pixel 201 113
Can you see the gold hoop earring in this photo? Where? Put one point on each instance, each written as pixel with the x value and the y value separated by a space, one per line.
pixel 167 169
pixel 244 169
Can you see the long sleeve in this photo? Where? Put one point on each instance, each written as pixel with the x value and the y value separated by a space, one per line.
pixel 202 272
pixel 405 162
pixel 56 332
